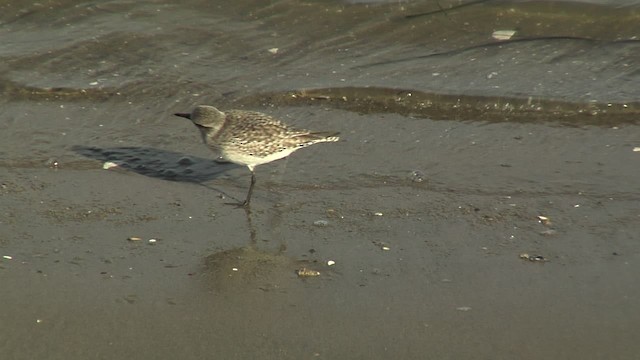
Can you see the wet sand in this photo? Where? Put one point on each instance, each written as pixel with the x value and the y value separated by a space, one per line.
pixel 425 210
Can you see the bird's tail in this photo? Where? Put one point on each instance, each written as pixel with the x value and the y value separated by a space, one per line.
pixel 326 136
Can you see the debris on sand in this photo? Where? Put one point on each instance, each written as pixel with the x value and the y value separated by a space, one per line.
pixel 533 258
pixel 503 34
pixel 109 164
pixel 304 272
pixel 320 223
pixel 544 220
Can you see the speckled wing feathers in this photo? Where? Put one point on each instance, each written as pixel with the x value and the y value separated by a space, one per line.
pixel 260 135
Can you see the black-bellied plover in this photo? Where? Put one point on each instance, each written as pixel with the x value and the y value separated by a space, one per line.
pixel 251 138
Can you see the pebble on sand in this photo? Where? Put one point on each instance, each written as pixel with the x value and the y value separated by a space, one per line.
pixel 321 223
pixel 532 258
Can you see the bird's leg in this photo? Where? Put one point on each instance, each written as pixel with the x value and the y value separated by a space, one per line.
pixel 253 182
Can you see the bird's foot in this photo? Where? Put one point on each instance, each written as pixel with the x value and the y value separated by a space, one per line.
pixel 242 204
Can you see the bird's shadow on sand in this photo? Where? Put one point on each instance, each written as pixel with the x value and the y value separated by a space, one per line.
pixel 158 163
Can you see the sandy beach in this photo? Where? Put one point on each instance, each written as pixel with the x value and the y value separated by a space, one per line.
pixel 483 202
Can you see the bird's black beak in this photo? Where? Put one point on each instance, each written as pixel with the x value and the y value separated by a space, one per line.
pixel 184 115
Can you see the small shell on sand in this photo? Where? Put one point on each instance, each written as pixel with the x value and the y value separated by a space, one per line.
pixel 503 34
pixel 109 164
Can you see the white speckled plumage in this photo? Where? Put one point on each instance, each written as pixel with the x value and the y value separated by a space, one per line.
pixel 251 138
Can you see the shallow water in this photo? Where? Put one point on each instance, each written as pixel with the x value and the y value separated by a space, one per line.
pixel 454 143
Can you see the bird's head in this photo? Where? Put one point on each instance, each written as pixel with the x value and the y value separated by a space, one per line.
pixel 205 117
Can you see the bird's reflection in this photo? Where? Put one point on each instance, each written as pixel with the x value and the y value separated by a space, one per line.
pixel 251 267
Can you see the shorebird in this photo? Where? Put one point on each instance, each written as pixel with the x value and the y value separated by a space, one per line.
pixel 251 138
